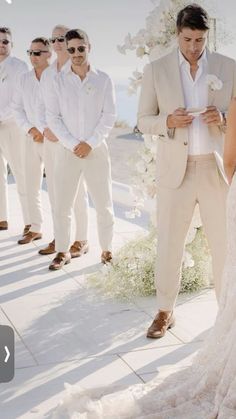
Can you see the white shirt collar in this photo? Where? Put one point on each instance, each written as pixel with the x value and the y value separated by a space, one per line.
pixel 92 70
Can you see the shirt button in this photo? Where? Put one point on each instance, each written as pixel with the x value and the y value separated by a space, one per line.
pixel 185 143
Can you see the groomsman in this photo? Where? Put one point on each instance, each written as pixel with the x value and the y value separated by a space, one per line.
pixel 24 108
pixel 11 137
pixel 81 113
pixel 51 146
pixel 188 115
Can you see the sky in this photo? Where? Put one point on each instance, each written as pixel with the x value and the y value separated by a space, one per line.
pixel 107 22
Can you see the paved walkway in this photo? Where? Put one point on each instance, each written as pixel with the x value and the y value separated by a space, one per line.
pixel 68 332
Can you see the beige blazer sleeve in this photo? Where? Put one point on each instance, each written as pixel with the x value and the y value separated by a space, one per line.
pixel 150 120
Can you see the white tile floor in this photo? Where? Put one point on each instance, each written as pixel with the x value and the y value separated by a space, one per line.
pixel 67 332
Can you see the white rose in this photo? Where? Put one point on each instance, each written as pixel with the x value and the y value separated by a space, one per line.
pixel 140 52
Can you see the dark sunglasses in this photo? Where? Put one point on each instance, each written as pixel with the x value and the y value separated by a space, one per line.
pixel 35 53
pixel 72 50
pixel 57 38
pixel 5 41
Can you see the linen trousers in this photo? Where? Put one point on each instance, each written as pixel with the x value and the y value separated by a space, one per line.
pixel 50 154
pixel 202 184
pixel 12 151
pixel 34 176
pixel 96 169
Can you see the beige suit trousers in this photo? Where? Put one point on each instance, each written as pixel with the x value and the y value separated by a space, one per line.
pixel 202 184
pixel 96 169
pixel 81 202
pixel 12 147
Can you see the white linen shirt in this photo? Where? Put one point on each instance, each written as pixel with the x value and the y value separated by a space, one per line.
pixel 24 102
pixel 196 96
pixel 11 70
pixel 46 82
pixel 81 110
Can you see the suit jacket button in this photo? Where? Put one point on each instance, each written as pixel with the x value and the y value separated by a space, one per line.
pixel 185 143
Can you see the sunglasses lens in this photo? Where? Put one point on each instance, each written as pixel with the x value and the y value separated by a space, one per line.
pixel 59 39
pixel 81 49
pixel 71 50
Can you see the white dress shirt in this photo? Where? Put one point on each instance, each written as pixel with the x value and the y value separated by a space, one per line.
pixel 10 71
pixel 46 82
pixel 196 96
pixel 81 110
pixel 25 100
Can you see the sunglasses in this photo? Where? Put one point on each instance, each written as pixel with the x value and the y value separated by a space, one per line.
pixel 57 38
pixel 72 50
pixel 5 41
pixel 35 53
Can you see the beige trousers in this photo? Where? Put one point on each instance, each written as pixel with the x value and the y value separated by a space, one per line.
pixel 81 202
pixel 202 184
pixel 34 175
pixel 12 146
pixel 96 170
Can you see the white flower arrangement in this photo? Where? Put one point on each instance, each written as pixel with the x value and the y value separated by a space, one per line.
pixel 214 82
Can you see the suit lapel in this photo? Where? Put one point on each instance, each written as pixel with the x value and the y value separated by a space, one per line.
pixel 174 78
pixel 214 67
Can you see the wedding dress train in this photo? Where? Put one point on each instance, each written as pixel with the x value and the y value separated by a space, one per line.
pixel 205 390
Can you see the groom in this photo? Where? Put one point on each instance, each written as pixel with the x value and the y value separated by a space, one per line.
pixel 178 104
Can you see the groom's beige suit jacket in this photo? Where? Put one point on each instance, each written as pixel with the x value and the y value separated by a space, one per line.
pixel 162 93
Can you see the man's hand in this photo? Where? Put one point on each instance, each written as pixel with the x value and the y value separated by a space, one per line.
pixel 179 119
pixel 212 116
pixel 36 134
pixel 82 149
pixel 49 135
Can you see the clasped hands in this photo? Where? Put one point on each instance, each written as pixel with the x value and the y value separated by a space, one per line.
pixel 180 118
pixel 36 134
pixel 82 149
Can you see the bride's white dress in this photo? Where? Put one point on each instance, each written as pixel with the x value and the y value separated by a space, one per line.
pixel 206 390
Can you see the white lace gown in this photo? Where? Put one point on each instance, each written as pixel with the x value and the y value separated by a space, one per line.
pixel 206 390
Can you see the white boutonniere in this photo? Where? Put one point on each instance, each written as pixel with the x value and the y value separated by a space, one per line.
pixel 90 89
pixel 213 82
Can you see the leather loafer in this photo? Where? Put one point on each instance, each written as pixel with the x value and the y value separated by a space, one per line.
pixel 26 229
pixel 163 321
pixel 49 250
pixel 106 256
pixel 79 248
pixel 3 225
pixel 30 237
pixel 59 261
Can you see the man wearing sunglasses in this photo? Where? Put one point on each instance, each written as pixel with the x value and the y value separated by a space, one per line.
pixel 24 108
pixel 81 113
pixel 51 145
pixel 11 137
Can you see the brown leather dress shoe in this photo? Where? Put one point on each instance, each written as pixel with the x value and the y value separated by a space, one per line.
pixel 26 229
pixel 30 237
pixel 3 225
pixel 79 248
pixel 163 321
pixel 49 250
pixel 59 261
pixel 106 256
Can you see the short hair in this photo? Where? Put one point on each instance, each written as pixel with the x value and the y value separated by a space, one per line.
pixel 4 29
pixel 43 41
pixel 61 27
pixel 194 17
pixel 77 34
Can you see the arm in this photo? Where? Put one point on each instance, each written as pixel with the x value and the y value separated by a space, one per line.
pixel 107 118
pixel 150 120
pixel 55 122
pixel 18 107
pixel 230 142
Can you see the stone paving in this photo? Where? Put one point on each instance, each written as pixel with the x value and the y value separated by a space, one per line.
pixel 67 331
